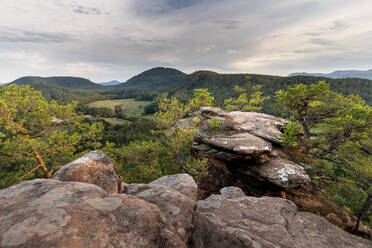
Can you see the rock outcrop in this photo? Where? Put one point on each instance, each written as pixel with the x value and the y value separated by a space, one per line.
pixel 95 168
pixel 49 213
pixel 164 213
pixel 245 151
pixel 232 219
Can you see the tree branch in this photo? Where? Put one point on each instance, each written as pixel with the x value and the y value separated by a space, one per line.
pixel 30 172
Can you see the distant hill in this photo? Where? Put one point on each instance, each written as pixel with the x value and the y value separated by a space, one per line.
pixel 63 94
pixel 220 85
pixel 338 74
pixel 145 85
pixel 148 85
pixel 110 83
pixel 154 79
pixel 67 82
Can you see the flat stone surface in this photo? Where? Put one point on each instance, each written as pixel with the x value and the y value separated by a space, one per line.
pixel 229 221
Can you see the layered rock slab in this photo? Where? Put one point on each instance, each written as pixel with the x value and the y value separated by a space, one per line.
pixel 235 220
pixel 49 213
pixel 95 168
pixel 251 137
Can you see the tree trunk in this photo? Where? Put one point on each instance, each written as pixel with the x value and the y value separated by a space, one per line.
pixel 47 173
pixel 305 126
pixel 363 211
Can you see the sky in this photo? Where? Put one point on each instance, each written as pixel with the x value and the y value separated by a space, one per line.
pixel 103 40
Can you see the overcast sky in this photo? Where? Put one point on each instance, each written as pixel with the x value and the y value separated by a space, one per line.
pixel 115 39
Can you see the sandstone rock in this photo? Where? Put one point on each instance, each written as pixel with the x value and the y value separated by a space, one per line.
pixel 282 172
pixel 95 168
pixel 241 143
pixel 49 213
pixel 177 208
pixel 183 183
pixel 265 126
pixel 234 220
pixel 263 167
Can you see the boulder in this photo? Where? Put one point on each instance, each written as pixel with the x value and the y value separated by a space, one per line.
pixel 49 213
pixel 95 168
pixel 177 207
pixel 235 220
pixel 184 183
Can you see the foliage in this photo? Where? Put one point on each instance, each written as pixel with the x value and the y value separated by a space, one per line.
pixel 170 115
pixel 214 124
pixel 342 143
pixel 65 82
pixel 250 98
pixel 304 101
pixel 202 98
pixel 65 95
pixel 41 134
pixel 220 86
pixel 291 132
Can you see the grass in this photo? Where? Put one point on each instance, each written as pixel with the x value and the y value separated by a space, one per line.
pixel 128 106
pixel 116 121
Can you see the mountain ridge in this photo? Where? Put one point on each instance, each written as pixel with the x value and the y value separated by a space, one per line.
pixel 154 78
pixel 365 74
pixel 62 81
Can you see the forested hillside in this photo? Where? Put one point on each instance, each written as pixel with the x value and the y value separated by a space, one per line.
pixel 153 79
pixel 220 85
pixel 151 83
pixel 68 82
pixel 63 94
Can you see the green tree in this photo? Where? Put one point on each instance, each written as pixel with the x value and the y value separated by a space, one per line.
pixel 302 100
pixel 202 98
pixel 39 132
pixel 171 117
pixel 338 137
pixel 250 98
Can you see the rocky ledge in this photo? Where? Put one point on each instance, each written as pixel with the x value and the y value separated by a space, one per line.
pixel 245 151
pixel 83 210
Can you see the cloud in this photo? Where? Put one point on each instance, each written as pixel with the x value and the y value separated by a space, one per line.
pixel 160 7
pixel 268 36
pixel 22 36
pixel 86 10
pixel 231 51
pixel 206 49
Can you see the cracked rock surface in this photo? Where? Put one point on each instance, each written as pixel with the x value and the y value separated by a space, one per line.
pixel 232 219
